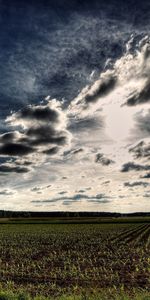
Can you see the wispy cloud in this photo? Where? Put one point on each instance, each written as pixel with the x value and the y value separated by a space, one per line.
pixel 136 184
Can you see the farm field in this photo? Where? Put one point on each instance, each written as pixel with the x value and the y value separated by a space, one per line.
pixel 52 260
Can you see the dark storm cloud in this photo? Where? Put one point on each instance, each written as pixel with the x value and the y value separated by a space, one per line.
pixel 72 153
pixel 101 88
pixel 140 150
pixel 146 175
pixel 51 151
pixel 85 31
pixel 15 149
pixel 41 127
pixel 15 169
pixel 45 114
pixel 7 137
pixel 76 151
pixel 23 163
pixel 37 133
pixel 45 135
pixel 131 166
pixel 136 183
pixel 3 159
pixel 100 158
pixel 140 97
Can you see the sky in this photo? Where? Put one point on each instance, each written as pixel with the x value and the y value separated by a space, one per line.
pixel 75 105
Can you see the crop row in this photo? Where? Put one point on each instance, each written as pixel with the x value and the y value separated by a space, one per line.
pixel 55 259
pixel 127 233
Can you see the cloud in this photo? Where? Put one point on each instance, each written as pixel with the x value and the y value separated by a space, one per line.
pixel 68 202
pixel 84 123
pixel 7 137
pixel 45 201
pixel 51 151
pixel 101 87
pixel 15 149
pixel 146 195
pixel 99 198
pixel 42 135
pixel 77 197
pixel 37 130
pixel 141 68
pixel 136 183
pixel 100 128
pixel 81 191
pixel 6 192
pixel 93 201
pixel 76 151
pixel 99 201
pixel 73 154
pixel 10 169
pixel 140 150
pixel 130 166
pixel 39 113
pixel 106 182
pixel 142 122
pixel 36 189
pixel 62 193
pixel 22 162
pixel 141 96
pixel 100 158
pixel 146 175
pixel 132 70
